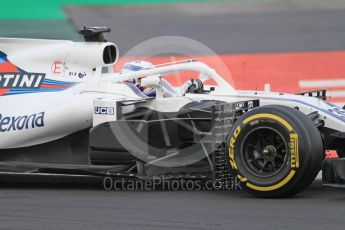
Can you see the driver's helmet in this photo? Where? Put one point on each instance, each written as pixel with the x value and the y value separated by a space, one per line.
pixel 137 66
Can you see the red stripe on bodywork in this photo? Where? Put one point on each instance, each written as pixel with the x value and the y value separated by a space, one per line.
pixel 7 67
pixel 3 91
pixel 54 86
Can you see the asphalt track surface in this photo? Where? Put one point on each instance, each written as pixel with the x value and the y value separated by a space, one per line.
pixel 90 207
pixel 255 27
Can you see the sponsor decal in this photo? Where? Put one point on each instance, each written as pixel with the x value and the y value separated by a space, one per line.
pixel 240 105
pixel 14 80
pixel 247 104
pixel 21 80
pixel 104 110
pixel 81 75
pixel 15 123
pixel 57 67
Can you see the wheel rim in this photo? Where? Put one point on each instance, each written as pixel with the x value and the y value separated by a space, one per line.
pixel 264 151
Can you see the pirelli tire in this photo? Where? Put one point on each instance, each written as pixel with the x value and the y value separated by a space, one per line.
pixel 276 151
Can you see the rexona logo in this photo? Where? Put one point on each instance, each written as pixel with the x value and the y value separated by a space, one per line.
pixel 21 80
pixel 21 122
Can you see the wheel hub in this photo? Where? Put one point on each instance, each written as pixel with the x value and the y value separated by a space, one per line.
pixel 269 151
pixel 264 151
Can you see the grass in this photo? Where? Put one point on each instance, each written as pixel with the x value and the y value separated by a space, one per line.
pixel 53 9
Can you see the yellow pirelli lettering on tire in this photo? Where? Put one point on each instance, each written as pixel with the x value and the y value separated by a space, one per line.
pixel 231 159
pixel 273 187
pixel 232 146
pixel 270 116
pixel 241 178
pixel 294 150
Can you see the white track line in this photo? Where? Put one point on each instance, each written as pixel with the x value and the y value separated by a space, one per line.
pixel 322 83
pixel 336 93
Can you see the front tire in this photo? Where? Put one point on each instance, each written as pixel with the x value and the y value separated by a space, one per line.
pixel 276 151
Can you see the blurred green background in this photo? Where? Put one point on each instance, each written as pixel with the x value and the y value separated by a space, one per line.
pixel 53 9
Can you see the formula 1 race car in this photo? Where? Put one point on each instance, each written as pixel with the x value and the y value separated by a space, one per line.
pixel 65 111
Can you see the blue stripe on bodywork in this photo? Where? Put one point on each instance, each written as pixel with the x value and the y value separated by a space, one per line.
pixel 3 57
pixel 55 82
pixel 168 87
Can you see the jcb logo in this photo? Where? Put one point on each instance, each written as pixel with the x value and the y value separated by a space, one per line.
pixel 231 147
pixel 104 110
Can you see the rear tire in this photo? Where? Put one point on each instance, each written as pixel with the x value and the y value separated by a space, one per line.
pixel 276 151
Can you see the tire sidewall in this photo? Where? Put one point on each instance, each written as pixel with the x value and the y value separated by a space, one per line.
pixel 292 176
